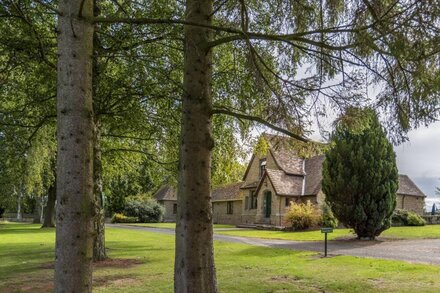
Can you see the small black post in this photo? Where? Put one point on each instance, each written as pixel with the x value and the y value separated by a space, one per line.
pixel 325 245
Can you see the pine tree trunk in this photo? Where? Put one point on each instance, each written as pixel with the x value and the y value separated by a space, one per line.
pixel 194 261
pixel 99 252
pixel 75 209
pixel 49 209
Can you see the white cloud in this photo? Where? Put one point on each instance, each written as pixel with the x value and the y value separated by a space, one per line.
pixel 420 157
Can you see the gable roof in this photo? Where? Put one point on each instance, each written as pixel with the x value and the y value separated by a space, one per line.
pixel 313 168
pixel 288 161
pixel 248 166
pixel 227 192
pixel 165 192
pixel 284 184
pixel 408 187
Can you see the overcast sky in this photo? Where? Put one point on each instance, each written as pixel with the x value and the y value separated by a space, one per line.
pixel 420 158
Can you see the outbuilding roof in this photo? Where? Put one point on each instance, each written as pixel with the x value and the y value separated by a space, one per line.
pixel 227 192
pixel 408 187
pixel 166 192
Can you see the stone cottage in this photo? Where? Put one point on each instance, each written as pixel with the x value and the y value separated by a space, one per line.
pixel 271 182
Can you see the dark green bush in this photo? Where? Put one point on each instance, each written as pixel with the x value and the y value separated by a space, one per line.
pixel 146 210
pixel 360 177
pixel 327 217
pixel 407 218
pixel 120 218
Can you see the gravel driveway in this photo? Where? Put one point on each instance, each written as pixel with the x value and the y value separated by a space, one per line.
pixel 416 251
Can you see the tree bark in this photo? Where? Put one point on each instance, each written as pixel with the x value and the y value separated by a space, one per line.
pixel 99 252
pixel 37 211
pixel 49 209
pixel 194 262
pixel 19 212
pixel 75 209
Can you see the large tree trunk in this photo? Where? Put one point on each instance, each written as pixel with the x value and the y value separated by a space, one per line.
pixel 75 209
pixel 99 252
pixel 49 209
pixel 194 263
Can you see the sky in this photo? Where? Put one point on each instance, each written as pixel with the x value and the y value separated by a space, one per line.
pixel 419 158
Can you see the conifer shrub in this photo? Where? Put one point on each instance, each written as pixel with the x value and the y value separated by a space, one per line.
pixel 360 177
pixel 327 217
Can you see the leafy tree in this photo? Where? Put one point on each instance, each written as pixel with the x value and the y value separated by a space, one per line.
pixel 360 177
pixel 302 57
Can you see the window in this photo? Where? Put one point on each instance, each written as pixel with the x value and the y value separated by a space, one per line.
pixel 287 201
pixel 262 167
pixel 175 208
pixel 252 202
pixel 246 203
pixel 230 207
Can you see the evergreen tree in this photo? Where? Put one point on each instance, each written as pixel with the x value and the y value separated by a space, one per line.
pixel 360 177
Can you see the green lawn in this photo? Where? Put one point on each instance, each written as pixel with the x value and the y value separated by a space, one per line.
pixel 26 253
pixel 173 225
pixel 429 231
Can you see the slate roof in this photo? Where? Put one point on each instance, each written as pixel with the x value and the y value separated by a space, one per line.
pixel 227 192
pixel 313 167
pixel 285 156
pixel 250 185
pixel 166 192
pixel 285 184
pixel 408 187
pixel 288 161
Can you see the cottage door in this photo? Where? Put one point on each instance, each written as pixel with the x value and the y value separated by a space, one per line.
pixel 268 204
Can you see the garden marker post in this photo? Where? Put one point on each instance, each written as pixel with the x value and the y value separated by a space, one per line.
pixel 325 231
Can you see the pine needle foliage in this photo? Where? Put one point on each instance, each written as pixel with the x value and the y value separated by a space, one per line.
pixel 360 177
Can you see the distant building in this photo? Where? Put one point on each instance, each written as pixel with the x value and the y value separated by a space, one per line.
pixel 167 197
pixel 272 181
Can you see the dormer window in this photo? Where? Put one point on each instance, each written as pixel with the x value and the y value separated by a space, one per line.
pixel 262 167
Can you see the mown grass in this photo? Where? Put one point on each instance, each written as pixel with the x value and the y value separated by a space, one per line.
pixel 173 225
pixel 26 251
pixel 428 232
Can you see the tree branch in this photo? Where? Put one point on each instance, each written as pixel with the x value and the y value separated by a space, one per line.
pixel 53 9
pixel 261 121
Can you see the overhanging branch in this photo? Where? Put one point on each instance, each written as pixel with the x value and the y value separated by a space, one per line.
pixel 261 121
pixel 53 9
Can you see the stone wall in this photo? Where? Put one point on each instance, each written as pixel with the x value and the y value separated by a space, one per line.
pixel 411 203
pixel 432 219
pixel 254 169
pixel 248 215
pixel 220 215
pixel 169 215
